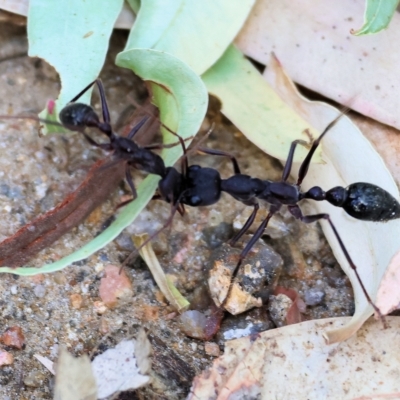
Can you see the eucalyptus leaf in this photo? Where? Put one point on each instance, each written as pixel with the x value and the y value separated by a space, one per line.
pixel 378 14
pixel 182 97
pixel 72 36
pixel 197 32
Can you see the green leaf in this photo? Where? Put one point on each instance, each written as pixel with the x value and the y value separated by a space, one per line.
pixel 135 5
pixel 378 14
pixel 72 36
pixel 182 99
pixel 197 32
pixel 253 106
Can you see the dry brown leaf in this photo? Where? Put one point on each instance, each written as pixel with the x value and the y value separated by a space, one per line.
pixel 386 141
pixel 74 378
pixel 116 369
pixel 312 39
pixel 294 362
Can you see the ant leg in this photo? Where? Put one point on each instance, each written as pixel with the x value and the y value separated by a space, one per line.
pixel 259 232
pixel 289 161
pixel 246 226
pixel 160 146
pixel 137 127
pixel 83 91
pixel 221 153
pixel 123 204
pixel 130 181
pixel 104 146
pixel 306 162
pixel 104 106
pixel 181 209
pixel 297 213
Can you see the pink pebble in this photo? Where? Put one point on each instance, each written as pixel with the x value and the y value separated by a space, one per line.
pixel 6 358
pixel 114 286
pixel 13 337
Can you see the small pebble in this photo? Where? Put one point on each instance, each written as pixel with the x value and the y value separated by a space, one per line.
pixel 260 270
pixel 4 189
pixel 193 324
pixel 14 289
pixel 104 326
pixel 194 346
pixel 37 278
pixel 60 278
pixel 314 296
pixel 99 307
pixel 6 358
pixel 76 301
pixel 34 379
pixel 99 267
pixel 13 337
pixel 114 285
pixel 39 291
pixel 212 349
pixel 278 308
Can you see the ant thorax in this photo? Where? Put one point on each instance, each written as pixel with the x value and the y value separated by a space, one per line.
pixel 203 186
pixel 280 193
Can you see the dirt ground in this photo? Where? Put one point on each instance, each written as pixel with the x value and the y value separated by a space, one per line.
pixel 37 173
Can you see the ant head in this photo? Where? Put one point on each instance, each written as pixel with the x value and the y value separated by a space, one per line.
pixel 77 116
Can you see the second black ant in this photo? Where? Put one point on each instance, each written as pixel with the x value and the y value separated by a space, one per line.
pixel 77 116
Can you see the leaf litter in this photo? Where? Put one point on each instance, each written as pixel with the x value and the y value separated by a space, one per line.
pixel 320 53
pixel 125 367
pixel 295 362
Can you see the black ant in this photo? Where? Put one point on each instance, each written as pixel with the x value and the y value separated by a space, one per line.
pixel 196 186
pixel 78 116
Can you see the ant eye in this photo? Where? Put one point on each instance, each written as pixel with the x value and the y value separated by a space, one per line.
pixel 195 201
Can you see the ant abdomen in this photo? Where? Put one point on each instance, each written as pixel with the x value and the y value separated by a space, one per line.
pixel 76 116
pixel 365 201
